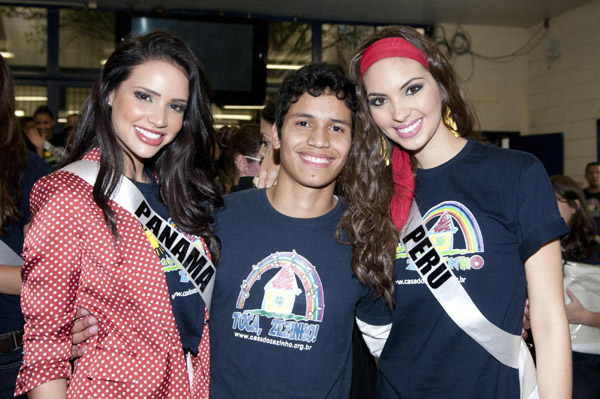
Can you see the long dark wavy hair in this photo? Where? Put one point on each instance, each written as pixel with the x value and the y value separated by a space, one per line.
pixel 183 166
pixel 367 182
pixel 579 244
pixel 13 152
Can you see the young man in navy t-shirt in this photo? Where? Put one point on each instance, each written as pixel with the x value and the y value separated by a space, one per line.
pixel 285 296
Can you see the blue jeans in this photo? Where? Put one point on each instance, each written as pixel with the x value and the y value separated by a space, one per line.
pixel 10 362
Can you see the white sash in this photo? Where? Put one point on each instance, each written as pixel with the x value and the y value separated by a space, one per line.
pixel 8 256
pixel 190 257
pixel 584 281
pixel 507 348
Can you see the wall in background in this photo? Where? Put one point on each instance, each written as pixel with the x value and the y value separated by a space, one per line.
pixel 564 87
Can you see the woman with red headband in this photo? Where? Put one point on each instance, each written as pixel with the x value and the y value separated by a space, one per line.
pixel 480 237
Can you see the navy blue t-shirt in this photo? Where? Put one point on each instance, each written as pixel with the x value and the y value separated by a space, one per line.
pixel 11 318
pixel 487 211
pixel 188 306
pixel 284 304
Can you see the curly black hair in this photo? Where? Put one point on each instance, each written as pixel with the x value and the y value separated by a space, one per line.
pixel 315 79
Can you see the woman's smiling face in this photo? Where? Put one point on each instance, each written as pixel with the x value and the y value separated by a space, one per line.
pixel 405 102
pixel 148 109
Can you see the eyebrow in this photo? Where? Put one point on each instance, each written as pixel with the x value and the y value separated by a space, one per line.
pixel 408 82
pixel 158 94
pixel 334 120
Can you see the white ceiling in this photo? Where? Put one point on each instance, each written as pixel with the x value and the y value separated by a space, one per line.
pixel 523 13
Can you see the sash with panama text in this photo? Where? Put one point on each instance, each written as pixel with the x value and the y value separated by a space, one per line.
pixel 192 258
pixel 507 348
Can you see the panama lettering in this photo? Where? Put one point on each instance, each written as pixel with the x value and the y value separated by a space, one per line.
pixel 195 263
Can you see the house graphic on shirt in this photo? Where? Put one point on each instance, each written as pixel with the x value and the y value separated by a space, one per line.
pixel 442 232
pixel 280 295
pixel 280 292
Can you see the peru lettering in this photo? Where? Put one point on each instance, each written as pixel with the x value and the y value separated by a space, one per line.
pixel 426 258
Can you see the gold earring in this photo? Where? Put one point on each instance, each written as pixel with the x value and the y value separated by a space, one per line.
pixel 383 151
pixel 449 122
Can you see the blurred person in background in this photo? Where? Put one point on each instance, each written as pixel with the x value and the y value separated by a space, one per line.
pixel 592 192
pixel 48 146
pixel 581 258
pixel 245 143
pixel 222 169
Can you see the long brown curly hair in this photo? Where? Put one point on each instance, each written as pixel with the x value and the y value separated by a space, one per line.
pixel 368 183
pixel 13 152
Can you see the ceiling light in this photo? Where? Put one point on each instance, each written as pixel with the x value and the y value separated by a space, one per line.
pixel 19 113
pixel 243 106
pixel 7 54
pixel 284 66
pixel 233 116
pixel 31 98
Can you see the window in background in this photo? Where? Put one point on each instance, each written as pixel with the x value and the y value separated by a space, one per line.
pixel 28 98
pixel 23 39
pixel 86 37
pixel 340 41
pixel 289 48
pixel 74 99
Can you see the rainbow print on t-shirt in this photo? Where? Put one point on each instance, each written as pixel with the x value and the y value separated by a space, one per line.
pixel 281 290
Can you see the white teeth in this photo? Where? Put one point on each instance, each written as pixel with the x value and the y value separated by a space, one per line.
pixel 411 127
pixel 150 135
pixel 316 159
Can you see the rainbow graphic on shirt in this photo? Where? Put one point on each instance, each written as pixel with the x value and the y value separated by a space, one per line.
pixel 280 292
pixel 444 222
pixel 459 214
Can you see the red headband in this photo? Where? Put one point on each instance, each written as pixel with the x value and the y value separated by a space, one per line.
pixel 388 48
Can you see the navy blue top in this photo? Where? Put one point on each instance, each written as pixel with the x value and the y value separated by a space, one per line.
pixel 487 211
pixel 11 318
pixel 284 304
pixel 187 303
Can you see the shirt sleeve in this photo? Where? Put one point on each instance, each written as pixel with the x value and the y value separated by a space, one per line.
pixel 50 280
pixel 374 319
pixel 538 218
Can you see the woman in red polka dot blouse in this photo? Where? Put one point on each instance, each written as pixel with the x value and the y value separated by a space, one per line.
pixel 148 118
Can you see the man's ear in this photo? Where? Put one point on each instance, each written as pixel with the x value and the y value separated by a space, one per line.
pixel 275 137
pixel 241 163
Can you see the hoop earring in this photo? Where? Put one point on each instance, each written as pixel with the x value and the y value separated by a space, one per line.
pixel 449 122
pixel 383 151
